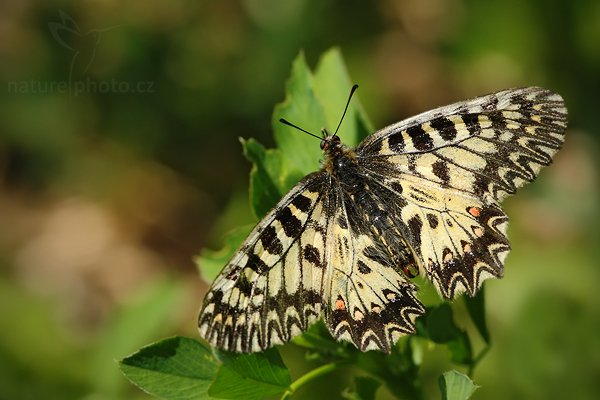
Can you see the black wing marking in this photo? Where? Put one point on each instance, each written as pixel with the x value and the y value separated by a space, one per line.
pixel 371 302
pixel 488 146
pixel 451 166
pixel 272 288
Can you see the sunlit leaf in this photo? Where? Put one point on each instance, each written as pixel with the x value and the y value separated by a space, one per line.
pixel 211 262
pixel 456 386
pixel 250 376
pixel 178 368
pixel 332 87
pixel 314 102
pixel 302 108
pixel 270 178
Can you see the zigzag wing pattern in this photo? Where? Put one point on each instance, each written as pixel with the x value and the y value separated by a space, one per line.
pixel 342 244
pixel 272 288
pixel 372 303
pixel 459 240
pixel 452 166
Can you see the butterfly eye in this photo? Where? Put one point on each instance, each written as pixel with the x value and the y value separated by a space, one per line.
pixel 323 144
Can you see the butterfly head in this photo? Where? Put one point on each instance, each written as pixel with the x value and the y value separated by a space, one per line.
pixel 330 143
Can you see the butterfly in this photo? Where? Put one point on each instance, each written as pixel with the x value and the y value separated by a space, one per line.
pixel 419 196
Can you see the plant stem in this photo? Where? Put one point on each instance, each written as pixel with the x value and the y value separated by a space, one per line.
pixel 477 359
pixel 309 376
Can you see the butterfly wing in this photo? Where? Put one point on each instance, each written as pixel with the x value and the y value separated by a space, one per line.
pixel 272 288
pixel 371 302
pixel 453 165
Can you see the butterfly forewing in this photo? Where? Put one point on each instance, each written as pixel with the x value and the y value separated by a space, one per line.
pixel 272 288
pixel 420 194
pixel 490 145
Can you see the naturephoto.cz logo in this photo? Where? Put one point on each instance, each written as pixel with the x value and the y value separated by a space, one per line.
pixel 78 87
pixel 83 46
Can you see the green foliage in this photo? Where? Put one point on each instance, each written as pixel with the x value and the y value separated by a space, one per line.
pixel 180 367
pixel 476 308
pixel 270 176
pixel 177 368
pixel 438 326
pixel 456 386
pixel 252 376
pixel 364 389
pixel 212 261
pixel 316 101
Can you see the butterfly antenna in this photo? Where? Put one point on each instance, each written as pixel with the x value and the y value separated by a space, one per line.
pixel 286 122
pixel 346 109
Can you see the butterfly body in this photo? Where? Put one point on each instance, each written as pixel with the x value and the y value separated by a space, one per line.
pixel 420 196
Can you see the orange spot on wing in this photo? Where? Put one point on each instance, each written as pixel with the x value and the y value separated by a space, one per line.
pixel 474 211
pixel 340 305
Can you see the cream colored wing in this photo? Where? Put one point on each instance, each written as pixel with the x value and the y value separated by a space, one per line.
pixel 371 303
pixel 488 146
pixel 452 166
pixel 272 288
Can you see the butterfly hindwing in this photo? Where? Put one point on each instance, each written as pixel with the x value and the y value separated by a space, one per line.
pixel 371 302
pixel 459 239
pixel 286 275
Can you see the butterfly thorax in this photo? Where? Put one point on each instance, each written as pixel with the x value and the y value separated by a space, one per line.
pixel 339 159
pixel 371 208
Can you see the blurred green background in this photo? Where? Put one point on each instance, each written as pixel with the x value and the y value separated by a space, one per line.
pixel 120 160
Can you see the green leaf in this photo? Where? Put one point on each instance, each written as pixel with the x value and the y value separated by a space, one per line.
pixel 476 308
pixel 438 325
pixel 314 102
pixel 460 349
pixel 270 178
pixel 302 108
pixel 364 389
pixel 317 337
pixel 456 386
pixel 250 376
pixel 332 87
pixel 211 262
pixel 177 368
